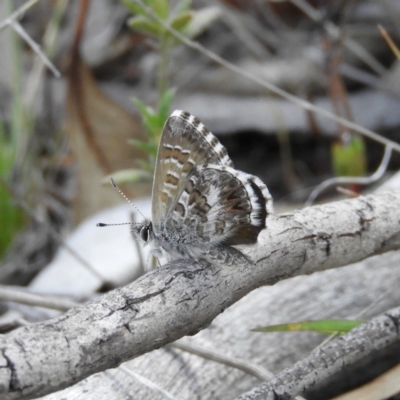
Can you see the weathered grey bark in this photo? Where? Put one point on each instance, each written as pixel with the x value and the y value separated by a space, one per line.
pixel 169 303
pixel 335 293
pixel 324 362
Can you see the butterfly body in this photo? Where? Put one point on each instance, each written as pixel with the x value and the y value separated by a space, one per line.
pixel 201 205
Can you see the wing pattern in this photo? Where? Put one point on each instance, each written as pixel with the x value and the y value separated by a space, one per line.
pixel 201 204
pixel 185 143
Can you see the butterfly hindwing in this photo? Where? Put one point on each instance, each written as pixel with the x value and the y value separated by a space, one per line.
pixel 221 206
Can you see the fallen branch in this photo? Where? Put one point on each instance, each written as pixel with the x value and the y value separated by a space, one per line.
pixel 184 297
pixel 324 362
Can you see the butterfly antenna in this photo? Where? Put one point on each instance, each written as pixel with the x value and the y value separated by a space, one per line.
pixel 114 185
pixel 100 224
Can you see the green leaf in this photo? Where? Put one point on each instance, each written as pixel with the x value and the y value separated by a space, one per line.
pixel 129 176
pixel 349 159
pixel 146 165
pixel 200 21
pixel 153 123
pixel 165 105
pixel 12 217
pixel 145 111
pixel 327 326
pixel 147 147
pixel 161 8
pixel 145 25
pixel 181 20
pixel 149 118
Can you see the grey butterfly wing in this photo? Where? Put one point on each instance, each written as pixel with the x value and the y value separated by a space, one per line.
pixel 220 206
pixel 185 143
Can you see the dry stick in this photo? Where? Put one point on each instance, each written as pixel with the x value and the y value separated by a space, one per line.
pixel 49 39
pixel 364 77
pixel 345 350
pixel 386 292
pixel 238 27
pixel 34 46
pixel 389 41
pixel 23 297
pixel 234 362
pixel 146 382
pixel 11 21
pixel 267 85
pixel 315 15
pixel 18 13
pixel 184 297
pixel 245 366
pixel 33 299
pixel 12 320
pixel 361 180
pixel 9 294
pixel 59 238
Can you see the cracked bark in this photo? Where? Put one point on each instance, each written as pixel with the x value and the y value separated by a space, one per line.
pixel 185 297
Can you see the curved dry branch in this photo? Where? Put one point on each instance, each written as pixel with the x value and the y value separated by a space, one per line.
pixel 361 180
pixel 376 334
pixel 184 297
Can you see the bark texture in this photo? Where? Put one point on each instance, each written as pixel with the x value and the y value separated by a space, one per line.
pixel 324 362
pixel 184 298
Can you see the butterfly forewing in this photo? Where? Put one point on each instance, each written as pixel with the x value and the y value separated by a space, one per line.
pixel 185 143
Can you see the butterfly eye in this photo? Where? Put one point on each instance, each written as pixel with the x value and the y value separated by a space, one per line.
pixel 144 233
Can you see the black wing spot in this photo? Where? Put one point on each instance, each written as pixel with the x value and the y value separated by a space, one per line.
pixel 262 212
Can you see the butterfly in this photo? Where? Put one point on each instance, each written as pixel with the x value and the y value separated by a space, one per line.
pixel 201 205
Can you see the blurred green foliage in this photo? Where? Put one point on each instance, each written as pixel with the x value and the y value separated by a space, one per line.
pixel 349 158
pixel 187 22
pixel 11 216
pixel 12 145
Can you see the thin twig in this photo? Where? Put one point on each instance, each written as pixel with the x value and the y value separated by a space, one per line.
pixel 12 320
pixel 315 15
pixel 238 363
pixel 146 382
pixel 11 21
pixel 34 46
pixel 238 27
pixel 267 85
pixel 18 13
pixel 49 40
pixel 361 180
pixel 389 41
pixel 249 368
pixel 58 237
pixel 33 299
